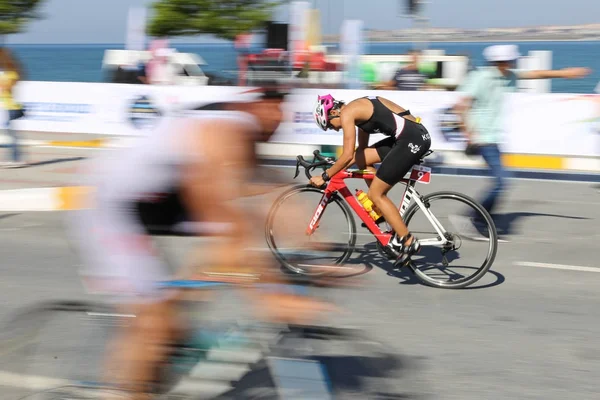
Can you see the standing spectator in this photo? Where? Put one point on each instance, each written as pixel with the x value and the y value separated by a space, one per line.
pixel 10 74
pixel 159 70
pixel 407 78
pixel 481 115
pixel 141 74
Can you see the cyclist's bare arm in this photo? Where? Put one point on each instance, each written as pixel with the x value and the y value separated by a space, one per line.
pixel 352 112
pixel 263 180
pixel 363 139
pixel 211 180
pixel 213 185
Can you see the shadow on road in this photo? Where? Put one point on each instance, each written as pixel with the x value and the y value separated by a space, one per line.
pixel 352 367
pixel 370 375
pixel 370 256
pixel 367 257
pixel 6 216
pixel 505 222
pixel 55 161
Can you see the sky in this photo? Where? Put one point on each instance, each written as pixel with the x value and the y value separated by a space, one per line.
pixel 104 21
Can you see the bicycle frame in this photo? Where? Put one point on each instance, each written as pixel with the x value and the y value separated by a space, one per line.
pixel 337 184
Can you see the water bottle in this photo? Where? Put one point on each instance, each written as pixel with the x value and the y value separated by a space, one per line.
pixel 367 204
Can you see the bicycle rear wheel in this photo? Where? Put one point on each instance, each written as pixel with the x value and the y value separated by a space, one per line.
pixel 472 236
pixel 332 243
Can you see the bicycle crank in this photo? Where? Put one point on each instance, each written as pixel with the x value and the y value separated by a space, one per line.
pixel 385 251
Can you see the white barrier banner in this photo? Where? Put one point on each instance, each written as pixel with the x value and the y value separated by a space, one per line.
pixel 110 109
pixel 559 124
pixel 60 107
pixel 552 124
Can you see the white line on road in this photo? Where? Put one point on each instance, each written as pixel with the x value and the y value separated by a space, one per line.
pixel 97 314
pixel 557 266
pixel 31 382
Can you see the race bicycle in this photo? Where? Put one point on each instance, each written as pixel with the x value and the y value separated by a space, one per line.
pixel 244 358
pixel 444 223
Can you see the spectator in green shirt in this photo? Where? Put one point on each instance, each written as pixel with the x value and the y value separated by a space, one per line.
pixel 481 110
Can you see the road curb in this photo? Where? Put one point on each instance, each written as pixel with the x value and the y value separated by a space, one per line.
pixel 532 166
pixel 92 144
pixel 46 199
pixel 95 143
pixel 70 198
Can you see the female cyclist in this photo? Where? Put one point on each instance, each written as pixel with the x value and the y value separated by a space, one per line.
pixel 406 143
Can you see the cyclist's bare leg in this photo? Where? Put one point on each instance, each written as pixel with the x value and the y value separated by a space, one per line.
pixel 365 159
pixel 378 194
pixel 138 350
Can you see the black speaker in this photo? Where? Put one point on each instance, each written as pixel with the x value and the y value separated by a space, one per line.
pixel 277 36
pixel 413 6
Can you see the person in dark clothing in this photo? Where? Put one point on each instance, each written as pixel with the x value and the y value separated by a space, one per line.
pixel 407 78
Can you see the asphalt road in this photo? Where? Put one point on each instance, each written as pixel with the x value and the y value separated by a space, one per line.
pixel 529 330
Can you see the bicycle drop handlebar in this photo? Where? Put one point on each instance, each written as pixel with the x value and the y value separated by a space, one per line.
pixel 318 161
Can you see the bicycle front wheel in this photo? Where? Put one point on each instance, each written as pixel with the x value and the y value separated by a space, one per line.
pixel 324 251
pixel 471 240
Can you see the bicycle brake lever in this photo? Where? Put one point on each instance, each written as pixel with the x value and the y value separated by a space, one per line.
pixel 298 163
pixel 307 171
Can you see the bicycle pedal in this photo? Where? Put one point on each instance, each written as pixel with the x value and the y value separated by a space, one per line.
pixel 399 264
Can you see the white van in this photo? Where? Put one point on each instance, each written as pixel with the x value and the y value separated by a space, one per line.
pixel 120 66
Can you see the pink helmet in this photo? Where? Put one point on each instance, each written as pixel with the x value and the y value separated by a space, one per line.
pixel 324 105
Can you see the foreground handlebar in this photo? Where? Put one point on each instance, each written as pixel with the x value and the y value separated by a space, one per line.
pixel 319 157
pixel 318 161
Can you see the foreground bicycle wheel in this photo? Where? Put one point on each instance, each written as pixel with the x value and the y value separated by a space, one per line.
pixel 472 235
pixel 294 362
pixel 332 243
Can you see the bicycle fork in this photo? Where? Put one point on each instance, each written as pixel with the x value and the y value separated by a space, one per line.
pixel 314 222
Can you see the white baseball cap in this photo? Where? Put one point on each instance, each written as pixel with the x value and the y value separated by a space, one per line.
pixel 501 52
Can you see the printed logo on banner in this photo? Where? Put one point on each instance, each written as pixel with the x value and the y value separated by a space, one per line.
pixel 449 123
pixel 304 123
pixel 142 113
pixel 60 112
pixel 303 118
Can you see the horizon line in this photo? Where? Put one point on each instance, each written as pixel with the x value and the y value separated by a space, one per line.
pixel 324 43
pixel 101 44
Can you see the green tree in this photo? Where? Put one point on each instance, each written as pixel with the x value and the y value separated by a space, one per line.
pixel 15 14
pixel 222 18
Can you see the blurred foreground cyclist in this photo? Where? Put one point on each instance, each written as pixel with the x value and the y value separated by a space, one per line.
pixel 201 162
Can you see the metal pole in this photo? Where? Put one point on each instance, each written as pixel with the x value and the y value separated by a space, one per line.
pixel 329 13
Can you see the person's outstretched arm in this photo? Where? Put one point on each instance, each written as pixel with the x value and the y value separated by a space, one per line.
pixel 565 73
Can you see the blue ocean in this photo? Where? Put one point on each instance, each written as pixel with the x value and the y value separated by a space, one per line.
pixel 82 63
